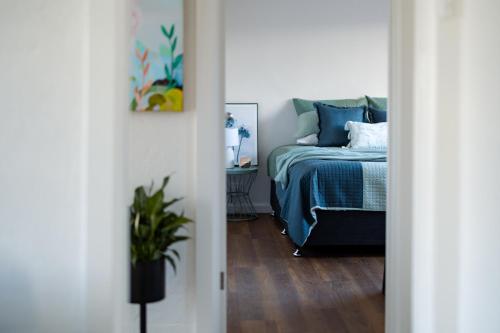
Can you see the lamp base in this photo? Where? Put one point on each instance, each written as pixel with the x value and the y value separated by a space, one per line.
pixel 229 157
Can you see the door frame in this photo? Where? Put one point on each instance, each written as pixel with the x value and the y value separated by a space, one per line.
pixel 404 237
pixel 210 169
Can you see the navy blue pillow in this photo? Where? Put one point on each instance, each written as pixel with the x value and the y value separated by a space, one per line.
pixel 332 120
pixel 377 115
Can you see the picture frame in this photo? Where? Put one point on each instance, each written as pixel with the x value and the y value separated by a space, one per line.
pixel 246 115
pixel 156 71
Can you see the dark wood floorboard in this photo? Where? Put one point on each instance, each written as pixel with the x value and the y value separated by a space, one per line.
pixel 270 291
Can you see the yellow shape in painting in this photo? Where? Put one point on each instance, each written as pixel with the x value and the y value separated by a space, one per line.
pixel 173 100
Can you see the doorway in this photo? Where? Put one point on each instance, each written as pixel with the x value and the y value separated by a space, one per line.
pixel 270 64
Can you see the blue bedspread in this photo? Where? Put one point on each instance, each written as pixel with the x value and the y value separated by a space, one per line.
pixel 329 183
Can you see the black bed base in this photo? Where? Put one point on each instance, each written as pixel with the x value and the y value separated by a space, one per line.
pixel 341 227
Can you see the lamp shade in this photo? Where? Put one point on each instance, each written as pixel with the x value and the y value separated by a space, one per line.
pixel 232 137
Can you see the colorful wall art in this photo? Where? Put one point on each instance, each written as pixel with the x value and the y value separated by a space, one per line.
pixel 157 58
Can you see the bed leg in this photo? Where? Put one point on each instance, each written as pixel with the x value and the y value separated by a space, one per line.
pixel 283 232
pixel 297 253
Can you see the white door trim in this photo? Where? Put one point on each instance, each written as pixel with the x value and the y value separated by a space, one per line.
pixel 210 175
pixel 399 198
pixel 410 258
pixel 211 310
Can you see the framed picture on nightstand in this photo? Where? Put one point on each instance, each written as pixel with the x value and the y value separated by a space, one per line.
pixel 246 120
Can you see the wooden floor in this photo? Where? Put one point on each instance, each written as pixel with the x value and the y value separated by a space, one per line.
pixel 269 290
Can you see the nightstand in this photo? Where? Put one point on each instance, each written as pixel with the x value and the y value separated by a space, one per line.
pixel 238 202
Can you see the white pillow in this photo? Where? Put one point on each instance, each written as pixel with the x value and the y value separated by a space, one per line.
pixel 367 136
pixel 310 140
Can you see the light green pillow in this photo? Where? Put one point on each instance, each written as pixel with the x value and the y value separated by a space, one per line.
pixel 379 103
pixel 308 123
pixel 305 105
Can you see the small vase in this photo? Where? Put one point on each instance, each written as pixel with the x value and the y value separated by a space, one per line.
pixel 229 157
pixel 147 281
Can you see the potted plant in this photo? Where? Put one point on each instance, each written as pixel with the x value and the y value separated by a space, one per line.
pixel 153 230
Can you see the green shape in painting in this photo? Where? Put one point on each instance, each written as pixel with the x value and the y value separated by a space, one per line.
pixel 155 100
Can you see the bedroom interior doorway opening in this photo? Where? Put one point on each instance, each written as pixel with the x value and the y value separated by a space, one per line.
pixel 306 165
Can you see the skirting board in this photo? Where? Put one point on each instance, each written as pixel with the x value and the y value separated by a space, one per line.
pixel 263 208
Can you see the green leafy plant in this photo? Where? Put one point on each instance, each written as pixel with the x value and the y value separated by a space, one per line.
pixel 153 228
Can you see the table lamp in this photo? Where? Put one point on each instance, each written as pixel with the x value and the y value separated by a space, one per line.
pixel 232 140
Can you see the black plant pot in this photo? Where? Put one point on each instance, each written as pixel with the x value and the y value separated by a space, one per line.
pixel 147 281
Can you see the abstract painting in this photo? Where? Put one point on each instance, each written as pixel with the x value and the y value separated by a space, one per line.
pixel 157 58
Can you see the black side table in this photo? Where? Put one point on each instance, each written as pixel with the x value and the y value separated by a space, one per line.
pixel 239 183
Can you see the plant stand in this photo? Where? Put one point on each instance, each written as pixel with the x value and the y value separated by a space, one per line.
pixel 147 285
pixel 144 317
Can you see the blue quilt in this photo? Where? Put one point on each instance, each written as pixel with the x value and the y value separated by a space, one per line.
pixel 327 183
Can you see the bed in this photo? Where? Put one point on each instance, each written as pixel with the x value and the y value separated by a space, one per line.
pixel 329 195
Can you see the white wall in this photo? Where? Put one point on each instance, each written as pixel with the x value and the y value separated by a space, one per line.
pixel 72 154
pixel 41 144
pixel 280 49
pixel 63 245
pixel 443 254
pixel 189 145
pixel 479 267
pixel 161 144
pixel 104 74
